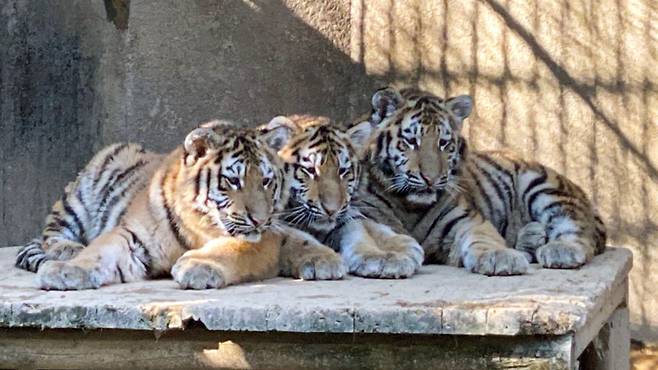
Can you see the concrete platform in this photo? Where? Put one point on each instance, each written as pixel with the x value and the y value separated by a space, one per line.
pixel 564 308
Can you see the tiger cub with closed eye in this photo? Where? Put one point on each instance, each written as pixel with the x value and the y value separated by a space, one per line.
pixel 490 212
pixel 203 213
pixel 323 173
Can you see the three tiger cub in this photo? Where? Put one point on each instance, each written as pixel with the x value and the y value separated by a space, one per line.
pixel 388 193
pixel 487 211
pixel 203 213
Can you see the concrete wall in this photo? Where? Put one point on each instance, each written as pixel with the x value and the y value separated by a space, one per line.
pixel 73 81
pixel 570 83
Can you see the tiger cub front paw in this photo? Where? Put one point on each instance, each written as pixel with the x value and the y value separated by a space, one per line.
pixel 196 274
pixel 562 255
pixel 496 262
pixel 399 257
pixel 61 275
pixel 323 264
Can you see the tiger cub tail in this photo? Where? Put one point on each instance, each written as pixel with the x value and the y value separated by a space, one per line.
pixel 62 238
pixel 31 256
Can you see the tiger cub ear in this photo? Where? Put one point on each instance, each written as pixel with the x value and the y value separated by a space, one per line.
pixel 460 106
pixel 219 125
pixel 360 135
pixel 278 131
pixel 198 143
pixel 384 102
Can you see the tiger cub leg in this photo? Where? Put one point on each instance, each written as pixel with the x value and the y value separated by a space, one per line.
pixel 571 228
pixel 530 238
pixel 61 249
pixel 568 245
pixel 400 246
pixel 114 257
pixel 32 255
pixel 478 246
pixel 226 261
pixel 373 250
pixel 304 257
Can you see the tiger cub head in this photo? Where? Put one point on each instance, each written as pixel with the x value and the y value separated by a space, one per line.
pixel 413 144
pixel 322 172
pixel 233 179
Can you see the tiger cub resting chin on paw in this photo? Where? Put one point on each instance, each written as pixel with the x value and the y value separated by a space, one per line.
pixel 487 211
pixel 203 213
pixel 322 174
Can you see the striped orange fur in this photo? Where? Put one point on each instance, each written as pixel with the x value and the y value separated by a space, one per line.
pixel 488 211
pixel 323 172
pixel 204 214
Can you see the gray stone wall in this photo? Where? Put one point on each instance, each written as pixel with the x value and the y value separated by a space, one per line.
pixel 74 81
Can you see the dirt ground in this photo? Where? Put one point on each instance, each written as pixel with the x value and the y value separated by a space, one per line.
pixel 644 357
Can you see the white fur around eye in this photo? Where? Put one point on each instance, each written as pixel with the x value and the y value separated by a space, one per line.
pixel 234 182
pixel 309 171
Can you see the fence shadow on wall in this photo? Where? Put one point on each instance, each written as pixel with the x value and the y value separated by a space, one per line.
pixel 567 83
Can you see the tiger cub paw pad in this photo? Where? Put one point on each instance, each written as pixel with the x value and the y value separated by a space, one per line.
pixel 60 275
pixel 326 266
pixel 191 274
pixel 561 255
pixel 497 262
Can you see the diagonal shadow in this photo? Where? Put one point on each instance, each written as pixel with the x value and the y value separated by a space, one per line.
pixel 584 92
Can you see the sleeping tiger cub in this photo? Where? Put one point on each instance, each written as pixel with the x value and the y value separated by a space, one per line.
pixel 323 173
pixel 203 213
pixel 468 208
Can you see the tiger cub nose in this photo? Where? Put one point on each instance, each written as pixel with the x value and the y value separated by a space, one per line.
pixel 330 209
pixel 256 221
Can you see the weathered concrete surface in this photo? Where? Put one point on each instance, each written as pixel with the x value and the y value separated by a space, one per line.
pixel 439 300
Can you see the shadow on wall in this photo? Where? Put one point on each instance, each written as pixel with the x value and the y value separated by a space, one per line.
pixel 72 82
pixel 47 112
pixel 569 83
pixel 244 60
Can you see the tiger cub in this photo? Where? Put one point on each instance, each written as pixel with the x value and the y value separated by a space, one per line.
pixel 487 211
pixel 203 213
pixel 323 172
